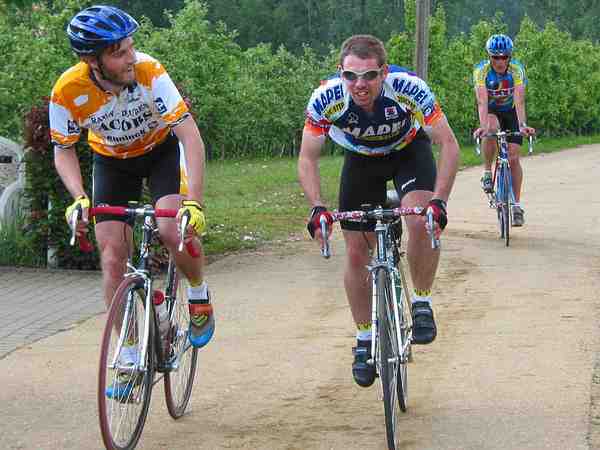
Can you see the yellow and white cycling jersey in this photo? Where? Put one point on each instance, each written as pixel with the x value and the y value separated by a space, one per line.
pixel 121 126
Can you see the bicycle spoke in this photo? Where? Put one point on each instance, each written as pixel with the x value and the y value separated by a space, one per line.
pixel 180 379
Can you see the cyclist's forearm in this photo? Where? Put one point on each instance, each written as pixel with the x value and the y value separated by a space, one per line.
pixel 448 159
pixel 67 166
pixel 195 163
pixel 310 180
pixel 520 105
pixel 482 106
pixel 483 114
pixel 447 168
pixel 308 167
pixel 521 115
pixel 189 135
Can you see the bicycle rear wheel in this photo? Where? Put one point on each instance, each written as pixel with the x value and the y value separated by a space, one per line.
pixel 179 379
pixel 389 356
pixel 124 390
pixel 404 342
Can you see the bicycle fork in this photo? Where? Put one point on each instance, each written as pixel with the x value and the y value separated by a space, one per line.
pixel 129 321
pixel 398 350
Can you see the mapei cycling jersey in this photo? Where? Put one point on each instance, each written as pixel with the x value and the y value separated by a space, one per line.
pixel 500 87
pixel 405 105
pixel 121 126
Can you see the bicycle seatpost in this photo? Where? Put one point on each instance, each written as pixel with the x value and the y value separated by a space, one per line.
pixel 325 250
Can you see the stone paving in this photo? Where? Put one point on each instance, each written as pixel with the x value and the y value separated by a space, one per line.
pixel 39 303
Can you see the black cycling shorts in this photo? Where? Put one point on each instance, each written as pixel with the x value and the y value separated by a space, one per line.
pixel 364 178
pixel 119 181
pixel 509 122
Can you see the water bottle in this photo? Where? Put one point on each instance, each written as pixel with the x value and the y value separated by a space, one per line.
pixel 162 314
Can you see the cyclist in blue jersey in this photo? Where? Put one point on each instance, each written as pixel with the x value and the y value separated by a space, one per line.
pixel 500 90
pixel 379 113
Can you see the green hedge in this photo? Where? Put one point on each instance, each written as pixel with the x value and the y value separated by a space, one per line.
pixel 564 78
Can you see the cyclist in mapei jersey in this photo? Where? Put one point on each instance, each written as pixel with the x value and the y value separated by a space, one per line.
pixel 500 90
pixel 379 113
pixel 136 120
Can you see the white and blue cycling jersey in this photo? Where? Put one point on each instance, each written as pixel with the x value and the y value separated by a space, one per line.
pixel 405 105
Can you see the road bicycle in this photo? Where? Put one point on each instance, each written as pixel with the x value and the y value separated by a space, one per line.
pixel 502 197
pixel 391 315
pixel 132 320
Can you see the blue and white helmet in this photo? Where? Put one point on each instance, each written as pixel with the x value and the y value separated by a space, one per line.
pixel 97 27
pixel 499 44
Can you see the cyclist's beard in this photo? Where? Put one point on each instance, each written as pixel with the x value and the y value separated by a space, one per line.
pixel 112 77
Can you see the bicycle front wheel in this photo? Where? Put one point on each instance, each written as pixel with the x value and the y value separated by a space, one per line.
pixel 506 206
pixel 125 382
pixel 179 379
pixel 389 356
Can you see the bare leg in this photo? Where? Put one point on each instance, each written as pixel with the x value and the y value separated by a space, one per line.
pixel 191 267
pixel 113 241
pixel 489 144
pixel 422 259
pixel 516 169
pixel 356 275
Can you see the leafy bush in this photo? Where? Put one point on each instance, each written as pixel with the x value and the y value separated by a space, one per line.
pixel 47 196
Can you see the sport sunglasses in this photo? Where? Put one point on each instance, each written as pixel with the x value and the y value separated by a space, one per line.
pixel 503 57
pixel 368 75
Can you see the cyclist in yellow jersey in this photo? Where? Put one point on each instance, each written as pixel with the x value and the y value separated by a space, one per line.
pixel 500 90
pixel 138 127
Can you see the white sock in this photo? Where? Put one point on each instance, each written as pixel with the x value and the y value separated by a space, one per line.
pixel 363 335
pixel 421 298
pixel 129 355
pixel 198 292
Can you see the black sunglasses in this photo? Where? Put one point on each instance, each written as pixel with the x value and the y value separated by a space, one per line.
pixel 368 75
pixel 502 57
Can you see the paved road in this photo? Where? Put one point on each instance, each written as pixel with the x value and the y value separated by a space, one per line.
pixel 38 303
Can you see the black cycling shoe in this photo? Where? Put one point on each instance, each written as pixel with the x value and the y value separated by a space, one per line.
pixel 424 329
pixel 363 372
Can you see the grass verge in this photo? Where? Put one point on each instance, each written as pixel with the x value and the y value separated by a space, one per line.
pixel 253 202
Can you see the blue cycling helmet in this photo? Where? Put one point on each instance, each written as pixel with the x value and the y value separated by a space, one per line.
pixel 97 27
pixel 499 44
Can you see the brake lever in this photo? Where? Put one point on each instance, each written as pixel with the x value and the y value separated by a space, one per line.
pixel 435 243
pixel 530 144
pixel 73 223
pixel 325 250
pixel 185 219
